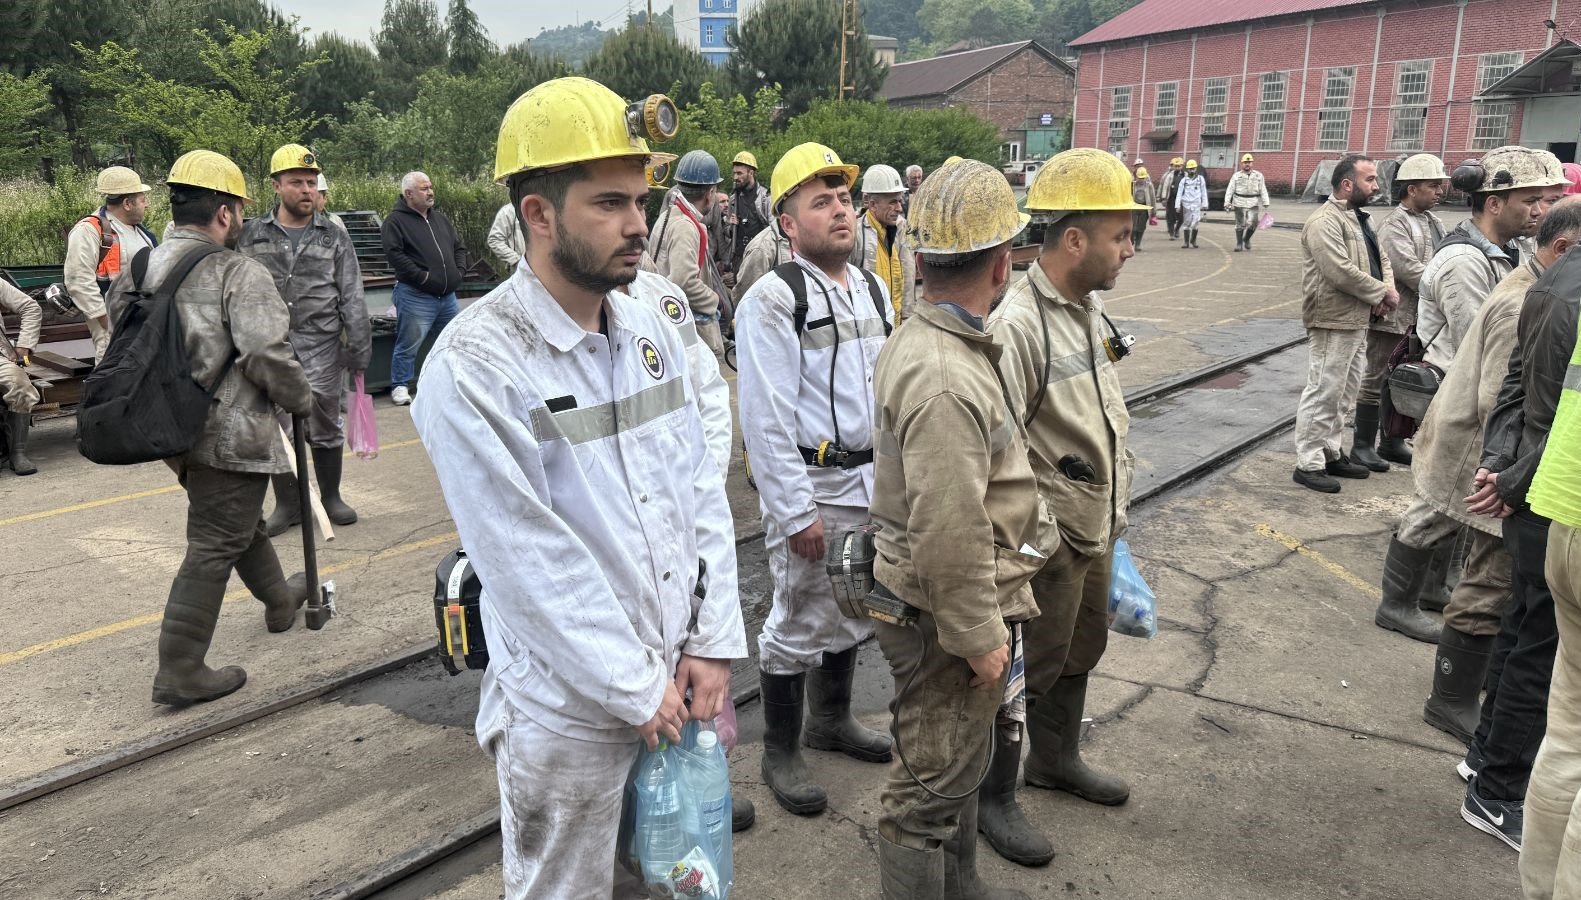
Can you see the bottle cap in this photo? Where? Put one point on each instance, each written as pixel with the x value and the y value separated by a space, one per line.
pixel 706 740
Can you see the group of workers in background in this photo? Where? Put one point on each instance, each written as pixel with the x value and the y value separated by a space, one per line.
pixel 1482 318
pixel 1183 192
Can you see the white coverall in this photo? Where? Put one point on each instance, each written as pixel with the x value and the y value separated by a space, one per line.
pixel 575 467
pixel 784 382
pixel 82 272
pixel 17 393
pixel 505 238
pixel 1192 201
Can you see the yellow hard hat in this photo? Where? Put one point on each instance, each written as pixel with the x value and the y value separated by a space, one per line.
pixel 1246 157
pixel 207 169
pixel 1082 180
pixel 963 207
pixel 803 163
pixel 292 156
pixel 1141 171
pixel 118 181
pixel 572 120
pixel 951 159
pixel 745 158
pixel 1191 164
pixel 1177 161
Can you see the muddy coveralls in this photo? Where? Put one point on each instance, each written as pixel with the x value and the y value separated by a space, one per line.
pixel 765 252
pixel 1074 405
pixel 787 413
pixel 1408 239
pixel 577 470
pixel 956 502
pixel 1168 193
pixel 680 247
pixel 229 308
pixel 1246 195
pixel 316 272
pixel 17 392
pixel 1143 192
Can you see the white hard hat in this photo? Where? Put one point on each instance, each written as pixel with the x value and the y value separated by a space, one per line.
pixel 882 179
pixel 323 184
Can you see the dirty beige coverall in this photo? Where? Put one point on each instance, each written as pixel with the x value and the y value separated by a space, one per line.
pixel 1408 240
pixel 15 388
pixel 680 251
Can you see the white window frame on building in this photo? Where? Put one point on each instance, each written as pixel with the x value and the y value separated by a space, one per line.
pixel 1335 113
pixel 1166 95
pixel 1408 119
pixel 1011 151
pixel 1215 114
pixel 708 34
pixel 1271 112
pixel 1119 119
pixel 1490 119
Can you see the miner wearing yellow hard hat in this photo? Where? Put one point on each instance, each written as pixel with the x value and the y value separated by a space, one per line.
pixel 807 337
pixel 100 245
pixel 1145 193
pixel 562 416
pixel 748 213
pixel 953 555
pixel 1191 202
pixel 236 328
pixel 1247 195
pixel 1059 365
pixel 1169 193
pixel 314 266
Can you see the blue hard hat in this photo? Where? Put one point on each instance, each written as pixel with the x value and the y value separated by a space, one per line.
pixel 697 167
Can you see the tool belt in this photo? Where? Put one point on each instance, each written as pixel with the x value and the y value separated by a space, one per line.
pixel 828 456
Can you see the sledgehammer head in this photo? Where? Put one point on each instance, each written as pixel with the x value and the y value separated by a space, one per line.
pixel 321 608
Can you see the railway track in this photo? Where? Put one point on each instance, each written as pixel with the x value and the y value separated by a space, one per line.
pixel 1159 412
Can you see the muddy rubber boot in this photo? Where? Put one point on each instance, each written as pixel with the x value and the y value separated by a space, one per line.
pixel 1367 437
pixel 961 881
pixel 326 466
pixel 907 874
pixel 1459 668
pixel 1394 450
pixel 287 506
pixel 742 813
pixel 190 616
pixel 19 425
pixel 1435 593
pixel 259 569
pixel 1405 571
pixel 1055 763
pixel 1000 818
pixel 830 725
pixel 1250 230
pixel 1240 238
pixel 784 770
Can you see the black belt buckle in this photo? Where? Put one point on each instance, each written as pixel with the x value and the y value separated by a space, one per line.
pixel 833 456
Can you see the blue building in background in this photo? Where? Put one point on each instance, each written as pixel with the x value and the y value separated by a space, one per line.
pixel 704 25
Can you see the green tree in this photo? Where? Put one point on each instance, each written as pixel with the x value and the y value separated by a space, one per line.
pixel 349 72
pixel 35 39
pixel 410 41
pixel 986 21
pixel 470 46
pixel 796 45
pixel 641 61
pixel 1067 20
pixel 25 102
pixel 899 19
pixel 572 43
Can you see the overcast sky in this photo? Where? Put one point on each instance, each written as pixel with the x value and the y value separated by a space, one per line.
pixel 507 21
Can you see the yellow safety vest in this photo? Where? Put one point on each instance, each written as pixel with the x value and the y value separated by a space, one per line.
pixel 1556 488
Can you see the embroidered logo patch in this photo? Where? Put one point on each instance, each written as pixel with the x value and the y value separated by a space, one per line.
pixel 651 360
pixel 673 309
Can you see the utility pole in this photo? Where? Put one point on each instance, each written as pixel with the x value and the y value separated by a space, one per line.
pixel 650 15
pixel 848 16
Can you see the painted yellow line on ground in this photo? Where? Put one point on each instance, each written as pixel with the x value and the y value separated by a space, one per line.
pixel 141 495
pixel 1329 565
pixel 83 637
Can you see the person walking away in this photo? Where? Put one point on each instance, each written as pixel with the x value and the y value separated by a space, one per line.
pixel 957 554
pixel 426 255
pixel 809 334
pixel 18 396
pixel 1345 279
pixel 1247 196
pixel 881 243
pixel 505 239
pixel 236 329
pixel 592 531
pixel 1143 193
pixel 1408 237
pixel 1169 193
pixel 314 267
pixel 1060 350
pixel 680 250
pixel 101 244
pixel 1191 201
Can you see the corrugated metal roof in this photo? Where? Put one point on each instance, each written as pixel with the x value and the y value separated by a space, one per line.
pixel 1162 16
pixel 941 74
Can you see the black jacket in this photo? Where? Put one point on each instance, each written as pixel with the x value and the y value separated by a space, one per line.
pixel 425 253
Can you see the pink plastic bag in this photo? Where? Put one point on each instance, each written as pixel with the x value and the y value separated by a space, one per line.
pixel 1152 220
pixel 362 432
pixel 1266 222
pixel 725 724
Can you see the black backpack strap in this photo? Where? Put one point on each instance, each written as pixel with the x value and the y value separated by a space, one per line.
pixel 140 268
pixel 791 274
pixel 166 293
pixel 878 300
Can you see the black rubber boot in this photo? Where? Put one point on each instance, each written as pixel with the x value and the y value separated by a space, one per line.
pixel 742 813
pixel 961 881
pixel 326 466
pixel 1000 818
pixel 1436 592
pixel 287 506
pixel 1240 238
pixel 907 874
pixel 1316 479
pixel 1394 450
pixel 1054 731
pixel 1405 571
pixel 19 425
pixel 190 616
pixel 259 569
pixel 830 725
pixel 1366 437
pixel 784 770
pixel 1459 668
pixel 1250 230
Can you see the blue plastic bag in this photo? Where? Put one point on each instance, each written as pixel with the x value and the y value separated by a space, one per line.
pixel 679 841
pixel 1133 610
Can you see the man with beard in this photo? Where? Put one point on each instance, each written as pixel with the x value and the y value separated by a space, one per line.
pixel 1345 280
pixel 100 245
pixel 748 212
pixel 314 266
pixel 563 424
pixel 808 335
pixel 1060 350
pixel 236 329
pixel 1247 195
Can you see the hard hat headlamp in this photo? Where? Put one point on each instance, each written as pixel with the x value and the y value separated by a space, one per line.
pixel 655 118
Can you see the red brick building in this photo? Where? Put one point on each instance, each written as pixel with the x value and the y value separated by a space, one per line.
pixel 1297 82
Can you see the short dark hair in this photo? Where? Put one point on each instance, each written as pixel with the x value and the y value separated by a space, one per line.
pixel 962 268
pixel 695 192
pixel 1085 222
pixel 115 199
pixel 1346 168
pixel 197 206
pixel 551 185
pixel 1563 220
pixel 1479 199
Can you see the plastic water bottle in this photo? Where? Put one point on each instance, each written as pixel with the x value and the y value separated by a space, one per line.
pixel 662 835
pixel 709 785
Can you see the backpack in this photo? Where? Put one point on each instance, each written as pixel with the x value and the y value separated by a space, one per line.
pixel 141 404
pixel 791 274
